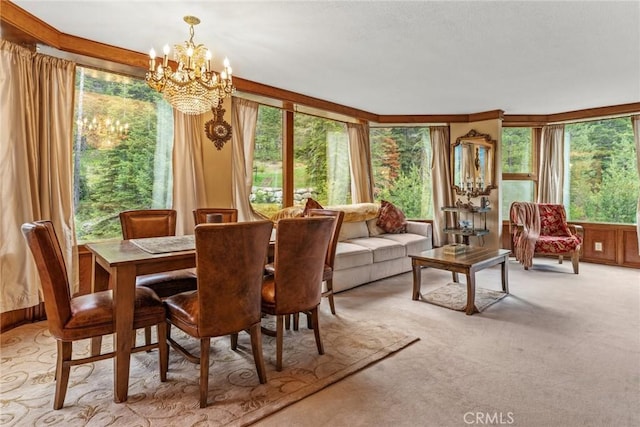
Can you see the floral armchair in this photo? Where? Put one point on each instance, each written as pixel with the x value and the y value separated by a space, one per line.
pixel 541 228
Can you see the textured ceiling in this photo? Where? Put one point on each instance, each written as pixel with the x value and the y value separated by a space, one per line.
pixel 398 57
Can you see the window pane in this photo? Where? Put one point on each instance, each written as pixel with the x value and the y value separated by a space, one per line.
pixel 122 151
pixel 602 173
pixel 515 191
pixel 401 159
pixel 266 194
pixel 517 149
pixel 321 161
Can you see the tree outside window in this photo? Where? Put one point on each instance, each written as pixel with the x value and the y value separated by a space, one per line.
pixel 401 161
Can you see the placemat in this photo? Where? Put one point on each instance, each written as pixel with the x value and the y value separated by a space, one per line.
pixel 161 245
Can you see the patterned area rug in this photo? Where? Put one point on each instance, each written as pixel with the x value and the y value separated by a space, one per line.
pixel 236 398
pixel 454 296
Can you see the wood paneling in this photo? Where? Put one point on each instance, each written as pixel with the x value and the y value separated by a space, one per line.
pixel 603 235
pixel 629 248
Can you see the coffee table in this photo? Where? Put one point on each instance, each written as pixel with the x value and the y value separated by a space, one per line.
pixel 474 259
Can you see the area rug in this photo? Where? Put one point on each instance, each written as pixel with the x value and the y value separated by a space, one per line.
pixel 454 296
pixel 236 398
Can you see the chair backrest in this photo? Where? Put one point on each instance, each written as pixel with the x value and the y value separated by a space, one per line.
pixel 338 217
pixel 45 247
pixel 143 223
pixel 300 252
pixel 553 220
pixel 228 214
pixel 230 263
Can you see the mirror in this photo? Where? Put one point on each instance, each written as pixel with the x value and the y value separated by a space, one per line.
pixel 473 165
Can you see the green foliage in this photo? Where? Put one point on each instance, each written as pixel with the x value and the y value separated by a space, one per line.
pixel 112 173
pixel 401 160
pixel 517 150
pixel 603 176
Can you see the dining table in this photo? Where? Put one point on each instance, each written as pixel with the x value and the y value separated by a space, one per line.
pixel 116 265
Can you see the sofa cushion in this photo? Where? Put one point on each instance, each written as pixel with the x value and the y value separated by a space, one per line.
pixel 349 255
pixel 391 219
pixel 374 230
pixel 311 204
pixel 383 249
pixel 413 243
pixel 353 230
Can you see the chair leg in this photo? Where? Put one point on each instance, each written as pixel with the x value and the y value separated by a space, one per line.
pixel 256 347
pixel 96 345
pixel 287 321
pixel 329 294
pixel 63 367
pixel 575 260
pixel 163 350
pixel 234 341
pixel 205 343
pixel 147 336
pixel 316 329
pixel 296 321
pixel 279 341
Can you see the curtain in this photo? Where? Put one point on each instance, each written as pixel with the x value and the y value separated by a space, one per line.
pixel 244 119
pixel 440 181
pixel 635 122
pixel 360 159
pixel 188 169
pixel 36 166
pixel 551 175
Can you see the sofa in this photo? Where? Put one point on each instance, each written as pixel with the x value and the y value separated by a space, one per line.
pixel 365 251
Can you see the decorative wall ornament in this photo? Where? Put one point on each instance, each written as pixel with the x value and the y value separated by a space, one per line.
pixel 217 129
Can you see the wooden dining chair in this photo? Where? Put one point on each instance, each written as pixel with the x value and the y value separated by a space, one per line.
pixel 327 276
pixel 296 284
pixel 228 214
pixel 86 316
pixel 230 261
pixel 145 223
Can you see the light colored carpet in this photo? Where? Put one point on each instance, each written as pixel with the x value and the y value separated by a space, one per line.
pixel 235 395
pixel 454 296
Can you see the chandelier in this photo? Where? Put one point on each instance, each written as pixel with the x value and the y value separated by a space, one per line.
pixel 193 88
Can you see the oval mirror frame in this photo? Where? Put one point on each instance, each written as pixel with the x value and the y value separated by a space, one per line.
pixel 473 171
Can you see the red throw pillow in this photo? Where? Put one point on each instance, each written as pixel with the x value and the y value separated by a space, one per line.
pixel 311 204
pixel 391 219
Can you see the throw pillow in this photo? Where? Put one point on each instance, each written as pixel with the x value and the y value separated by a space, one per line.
pixel 391 219
pixel 311 204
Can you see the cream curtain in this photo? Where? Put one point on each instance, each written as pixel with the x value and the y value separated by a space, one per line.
pixel 551 175
pixel 440 181
pixel 244 119
pixel 635 121
pixel 360 159
pixel 36 167
pixel 188 169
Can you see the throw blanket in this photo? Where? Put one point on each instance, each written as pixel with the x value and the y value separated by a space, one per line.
pixel 527 216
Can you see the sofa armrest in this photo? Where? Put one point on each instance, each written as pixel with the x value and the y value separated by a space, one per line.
pixel 421 228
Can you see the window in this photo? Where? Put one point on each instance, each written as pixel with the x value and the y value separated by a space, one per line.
pixel 123 139
pixel 518 171
pixel 321 161
pixel 602 176
pixel 266 194
pixel 401 161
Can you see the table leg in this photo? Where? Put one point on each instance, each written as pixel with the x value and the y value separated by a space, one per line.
pixel 124 283
pixel 417 281
pixel 505 274
pixel 454 274
pixel 471 294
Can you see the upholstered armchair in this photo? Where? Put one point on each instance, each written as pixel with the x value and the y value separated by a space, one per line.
pixel 542 228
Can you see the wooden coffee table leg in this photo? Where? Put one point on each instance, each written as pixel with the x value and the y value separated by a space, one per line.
pixel 471 294
pixel 505 274
pixel 417 278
